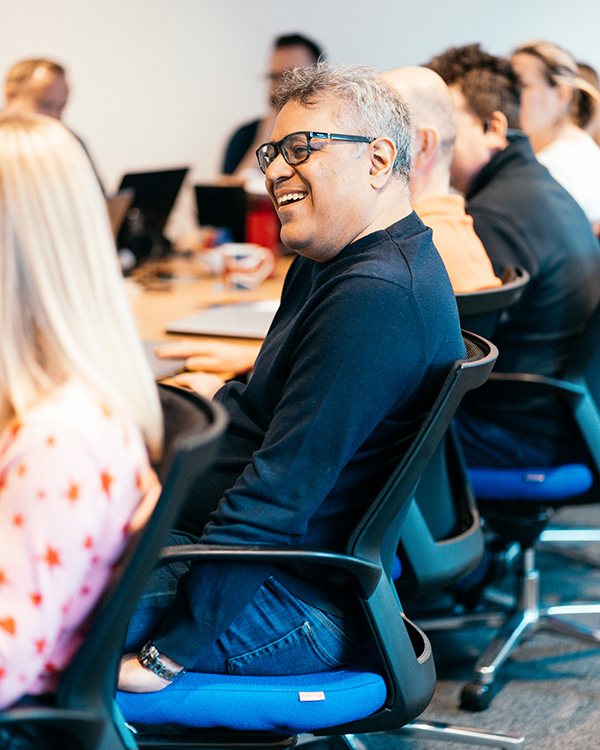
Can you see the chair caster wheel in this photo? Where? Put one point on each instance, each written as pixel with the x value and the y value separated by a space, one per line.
pixel 476 697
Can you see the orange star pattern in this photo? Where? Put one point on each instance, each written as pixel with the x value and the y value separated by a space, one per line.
pixel 3 579
pixel 36 599
pixel 40 645
pixel 18 520
pixel 21 469
pixel 106 480
pixel 52 557
pixel 73 492
pixel 8 624
pixel 50 440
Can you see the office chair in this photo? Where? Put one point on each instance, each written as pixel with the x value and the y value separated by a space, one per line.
pixel 441 543
pixel 518 504
pixel 210 710
pixel 84 715
pixel 480 310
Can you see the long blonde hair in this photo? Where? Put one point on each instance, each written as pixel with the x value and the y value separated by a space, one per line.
pixel 63 307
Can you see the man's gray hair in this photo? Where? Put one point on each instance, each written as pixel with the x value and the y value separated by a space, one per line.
pixel 366 103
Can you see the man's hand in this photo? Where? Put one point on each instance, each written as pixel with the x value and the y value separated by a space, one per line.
pixel 133 678
pixel 203 383
pixel 212 356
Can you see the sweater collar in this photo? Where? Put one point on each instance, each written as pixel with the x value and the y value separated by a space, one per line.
pixel 409 226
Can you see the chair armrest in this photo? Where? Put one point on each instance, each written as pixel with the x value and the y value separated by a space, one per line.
pixel 531 379
pixel 364 573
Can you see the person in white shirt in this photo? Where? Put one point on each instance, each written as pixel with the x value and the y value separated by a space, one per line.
pixel 556 105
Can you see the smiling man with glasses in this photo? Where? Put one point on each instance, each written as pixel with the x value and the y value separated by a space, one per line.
pixel 365 333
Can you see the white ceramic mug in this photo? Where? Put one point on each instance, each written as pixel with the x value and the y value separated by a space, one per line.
pixel 245 265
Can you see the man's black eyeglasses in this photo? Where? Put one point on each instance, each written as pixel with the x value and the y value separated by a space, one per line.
pixel 297 147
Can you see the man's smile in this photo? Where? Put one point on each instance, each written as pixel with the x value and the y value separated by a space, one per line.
pixel 291 197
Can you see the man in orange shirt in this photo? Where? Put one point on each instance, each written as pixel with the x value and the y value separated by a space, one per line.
pixel 435 120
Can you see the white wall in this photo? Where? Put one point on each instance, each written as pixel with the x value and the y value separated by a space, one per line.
pixel 162 82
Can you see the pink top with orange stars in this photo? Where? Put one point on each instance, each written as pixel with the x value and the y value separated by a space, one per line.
pixel 71 475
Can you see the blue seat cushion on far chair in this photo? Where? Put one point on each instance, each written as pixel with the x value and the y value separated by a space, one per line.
pixel 538 484
pixel 301 703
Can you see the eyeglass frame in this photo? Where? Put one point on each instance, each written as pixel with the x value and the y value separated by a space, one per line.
pixel 310 134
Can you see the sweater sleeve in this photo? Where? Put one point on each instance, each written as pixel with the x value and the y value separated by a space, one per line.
pixel 357 358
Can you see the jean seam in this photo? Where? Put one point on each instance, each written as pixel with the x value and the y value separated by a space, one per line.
pixel 322 651
pixel 335 630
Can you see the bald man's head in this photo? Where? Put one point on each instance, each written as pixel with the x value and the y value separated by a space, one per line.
pixel 429 102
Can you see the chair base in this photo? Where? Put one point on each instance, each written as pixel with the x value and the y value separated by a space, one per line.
pixel 213 740
pixel 434 730
pixel 526 620
pixel 573 537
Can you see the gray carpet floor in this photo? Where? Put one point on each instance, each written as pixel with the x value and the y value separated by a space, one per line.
pixel 549 690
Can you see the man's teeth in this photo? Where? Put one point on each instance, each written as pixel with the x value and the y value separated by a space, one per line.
pixel 290 198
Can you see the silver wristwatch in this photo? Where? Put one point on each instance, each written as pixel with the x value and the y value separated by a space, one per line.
pixel 149 658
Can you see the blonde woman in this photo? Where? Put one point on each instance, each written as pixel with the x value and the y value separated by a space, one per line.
pixel 557 103
pixel 79 411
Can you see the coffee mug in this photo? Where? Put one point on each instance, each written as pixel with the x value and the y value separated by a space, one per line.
pixel 245 265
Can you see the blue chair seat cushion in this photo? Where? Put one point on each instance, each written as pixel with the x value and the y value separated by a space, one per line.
pixel 281 704
pixel 537 484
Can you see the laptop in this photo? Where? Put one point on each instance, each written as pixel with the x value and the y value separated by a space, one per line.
pixel 223 207
pixel 154 197
pixel 249 320
pixel 162 368
pixel 117 208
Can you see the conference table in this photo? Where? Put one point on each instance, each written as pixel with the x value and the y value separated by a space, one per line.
pixel 175 287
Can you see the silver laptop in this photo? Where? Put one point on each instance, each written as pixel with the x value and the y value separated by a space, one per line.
pixel 242 320
pixel 162 368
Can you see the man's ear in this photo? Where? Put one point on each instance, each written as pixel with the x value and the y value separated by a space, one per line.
pixel 10 91
pixel 382 153
pixel 426 142
pixel 495 129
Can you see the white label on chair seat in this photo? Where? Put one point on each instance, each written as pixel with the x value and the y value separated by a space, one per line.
pixel 535 477
pixel 318 695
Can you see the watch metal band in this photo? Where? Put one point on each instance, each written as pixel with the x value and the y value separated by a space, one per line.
pixel 149 658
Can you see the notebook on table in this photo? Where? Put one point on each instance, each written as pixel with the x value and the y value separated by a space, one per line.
pixel 241 320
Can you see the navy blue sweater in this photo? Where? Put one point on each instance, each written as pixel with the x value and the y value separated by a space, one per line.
pixel 355 355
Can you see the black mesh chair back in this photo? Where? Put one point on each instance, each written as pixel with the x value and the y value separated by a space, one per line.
pixel 480 311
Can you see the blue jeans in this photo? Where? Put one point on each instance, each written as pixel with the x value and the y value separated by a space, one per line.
pixel 276 634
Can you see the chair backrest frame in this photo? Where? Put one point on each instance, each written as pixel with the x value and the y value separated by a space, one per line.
pixel 376 537
pixel 480 311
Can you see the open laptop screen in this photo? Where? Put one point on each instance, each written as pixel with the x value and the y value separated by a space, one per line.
pixel 155 193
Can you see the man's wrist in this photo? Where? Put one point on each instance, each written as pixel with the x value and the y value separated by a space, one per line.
pixel 150 658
